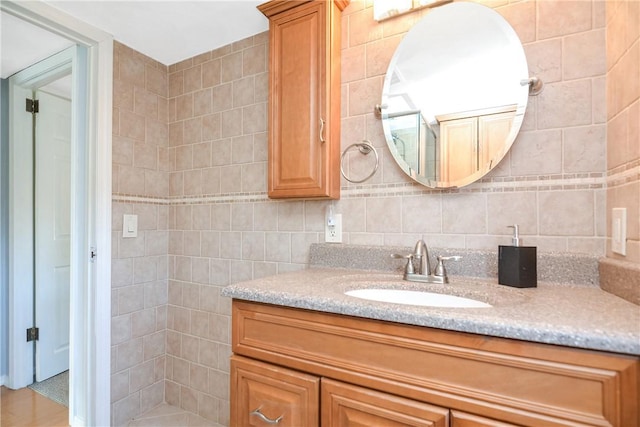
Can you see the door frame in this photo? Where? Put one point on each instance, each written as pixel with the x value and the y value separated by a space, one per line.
pixel 21 200
pixel 90 355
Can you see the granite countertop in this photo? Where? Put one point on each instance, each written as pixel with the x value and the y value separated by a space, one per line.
pixel 571 315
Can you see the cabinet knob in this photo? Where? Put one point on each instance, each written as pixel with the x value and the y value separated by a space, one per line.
pixel 264 418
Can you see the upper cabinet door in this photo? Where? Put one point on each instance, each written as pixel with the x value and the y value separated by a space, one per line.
pixel 304 98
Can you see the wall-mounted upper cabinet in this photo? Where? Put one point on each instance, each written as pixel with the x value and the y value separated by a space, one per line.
pixel 304 98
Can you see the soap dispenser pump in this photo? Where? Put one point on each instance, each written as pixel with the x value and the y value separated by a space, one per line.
pixel 517 265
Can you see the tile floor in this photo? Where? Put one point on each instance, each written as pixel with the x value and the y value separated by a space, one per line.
pixel 170 416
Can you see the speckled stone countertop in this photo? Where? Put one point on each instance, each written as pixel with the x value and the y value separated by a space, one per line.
pixel 564 314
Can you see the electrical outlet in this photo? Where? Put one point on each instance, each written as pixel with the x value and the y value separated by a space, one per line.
pixel 619 231
pixel 333 233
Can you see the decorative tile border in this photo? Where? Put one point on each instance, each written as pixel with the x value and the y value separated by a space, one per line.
pixel 625 174
pixel 562 182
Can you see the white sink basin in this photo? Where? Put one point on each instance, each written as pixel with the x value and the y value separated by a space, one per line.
pixel 427 299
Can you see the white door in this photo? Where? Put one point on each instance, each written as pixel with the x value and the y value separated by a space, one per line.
pixel 52 237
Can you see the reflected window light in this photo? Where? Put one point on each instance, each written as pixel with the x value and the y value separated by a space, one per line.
pixel 383 9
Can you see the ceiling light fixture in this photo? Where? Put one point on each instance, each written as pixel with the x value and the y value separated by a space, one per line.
pixel 385 9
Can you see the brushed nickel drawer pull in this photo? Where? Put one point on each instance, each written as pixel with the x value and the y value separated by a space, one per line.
pixel 322 130
pixel 267 420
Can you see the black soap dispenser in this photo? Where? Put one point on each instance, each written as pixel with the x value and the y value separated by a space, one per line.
pixel 517 265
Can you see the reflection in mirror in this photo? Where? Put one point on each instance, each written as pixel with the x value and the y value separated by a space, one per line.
pixel 454 95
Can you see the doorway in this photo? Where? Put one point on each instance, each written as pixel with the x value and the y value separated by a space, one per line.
pixel 45 131
pixel 89 340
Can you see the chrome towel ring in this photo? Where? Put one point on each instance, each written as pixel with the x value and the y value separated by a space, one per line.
pixel 365 148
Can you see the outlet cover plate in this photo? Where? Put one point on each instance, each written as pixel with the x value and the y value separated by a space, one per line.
pixel 333 234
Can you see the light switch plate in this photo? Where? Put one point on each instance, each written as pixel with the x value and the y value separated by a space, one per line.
pixel 130 226
pixel 619 231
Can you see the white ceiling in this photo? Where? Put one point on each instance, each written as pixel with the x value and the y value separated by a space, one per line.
pixel 167 31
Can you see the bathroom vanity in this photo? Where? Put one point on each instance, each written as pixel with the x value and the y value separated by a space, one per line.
pixel 306 354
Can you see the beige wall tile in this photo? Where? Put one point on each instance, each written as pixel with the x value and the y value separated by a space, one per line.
pixel 151 396
pixel 382 215
pixel 362 28
pixel 422 214
pixel 537 153
pixel 566 213
pixel 184 107
pixel 584 148
pixel 522 17
pixel 584 55
pixel 544 59
pixel 176 84
pixel 464 214
pixel 211 73
pixel 254 177
pixel 565 104
pixel 232 123
pixel 129 354
pixel 562 17
pixel 145 103
pixel 353 64
pixel 364 95
pixel 231 67
pixel 504 209
pixel 193 78
pixel 193 182
pixel 156 80
pixel 131 70
pixel 254 118
pixel 193 130
pixel 202 102
pixel 379 54
pixel 291 216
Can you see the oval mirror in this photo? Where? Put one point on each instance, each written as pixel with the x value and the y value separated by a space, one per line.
pixel 454 95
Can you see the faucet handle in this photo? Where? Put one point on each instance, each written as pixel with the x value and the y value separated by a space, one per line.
pixel 440 270
pixel 408 269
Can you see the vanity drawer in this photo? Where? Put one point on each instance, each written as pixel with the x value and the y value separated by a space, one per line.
pixel 266 394
pixel 518 382
pixel 347 405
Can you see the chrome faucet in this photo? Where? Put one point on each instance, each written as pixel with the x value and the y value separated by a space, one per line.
pixel 423 272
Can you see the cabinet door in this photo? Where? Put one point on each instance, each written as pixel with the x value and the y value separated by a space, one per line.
pixel 459 148
pixel 462 419
pixel 304 101
pixel 493 130
pixel 264 394
pixel 346 405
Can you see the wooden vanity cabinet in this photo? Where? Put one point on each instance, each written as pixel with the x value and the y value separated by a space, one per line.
pixel 382 373
pixel 304 98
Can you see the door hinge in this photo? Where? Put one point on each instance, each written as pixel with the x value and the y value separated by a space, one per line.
pixel 33 334
pixel 33 106
pixel 93 254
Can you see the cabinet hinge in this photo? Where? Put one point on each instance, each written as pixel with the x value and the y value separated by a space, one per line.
pixel 33 106
pixel 33 334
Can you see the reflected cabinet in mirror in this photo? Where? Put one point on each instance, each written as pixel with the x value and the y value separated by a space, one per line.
pixel 454 95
